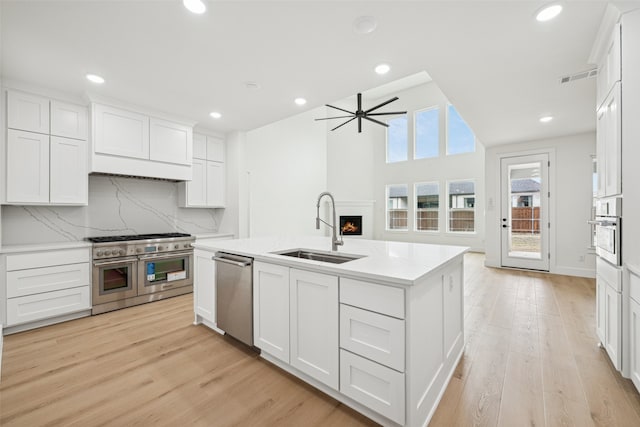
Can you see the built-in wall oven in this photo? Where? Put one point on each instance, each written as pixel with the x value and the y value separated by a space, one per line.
pixel 135 269
pixel 608 224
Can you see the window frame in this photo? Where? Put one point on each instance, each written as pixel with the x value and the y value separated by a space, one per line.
pixel 446 130
pixel 386 144
pixel 415 207
pixel 415 133
pixel 448 208
pixel 386 209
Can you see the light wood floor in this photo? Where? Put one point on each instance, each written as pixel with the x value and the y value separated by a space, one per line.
pixel 530 360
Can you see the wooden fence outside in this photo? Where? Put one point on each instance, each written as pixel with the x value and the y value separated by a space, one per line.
pixel 525 220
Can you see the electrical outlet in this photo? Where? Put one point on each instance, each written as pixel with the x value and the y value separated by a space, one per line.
pixel 581 258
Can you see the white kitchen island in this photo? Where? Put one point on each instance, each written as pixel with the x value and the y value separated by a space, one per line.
pixel 382 333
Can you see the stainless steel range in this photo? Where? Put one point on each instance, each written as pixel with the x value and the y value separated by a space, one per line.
pixel 135 269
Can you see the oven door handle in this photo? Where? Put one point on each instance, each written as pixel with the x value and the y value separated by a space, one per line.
pixel 120 261
pixel 165 256
pixel 602 223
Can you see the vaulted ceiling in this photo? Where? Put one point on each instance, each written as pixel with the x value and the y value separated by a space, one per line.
pixel 493 60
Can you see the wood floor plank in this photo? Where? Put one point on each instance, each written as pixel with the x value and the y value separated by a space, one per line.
pixel 530 359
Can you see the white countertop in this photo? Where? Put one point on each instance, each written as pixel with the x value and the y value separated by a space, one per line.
pixel 204 236
pixel 37 247
pixel 393 262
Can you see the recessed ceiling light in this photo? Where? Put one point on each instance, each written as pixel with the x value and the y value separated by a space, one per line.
pixel 195 6
pixel 365 24
pixel 546 119
pixel 382 68
pixel 252 85
pixel 94 78
pixel 215 114
pixel 548 12
pixel 300 101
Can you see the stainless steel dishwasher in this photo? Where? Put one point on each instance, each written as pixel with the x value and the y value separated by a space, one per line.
pixel 234 296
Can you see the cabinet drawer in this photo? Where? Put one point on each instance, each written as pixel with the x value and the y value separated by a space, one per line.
pixel 634 287
pixel 611 274
pixel 49 304
pixel 377 387
pixel 46 279
pixel 47 259
pixel 372 335
pixel 381 299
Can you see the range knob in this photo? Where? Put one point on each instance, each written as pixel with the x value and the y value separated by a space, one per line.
pixel 176 246
pixel 187 245
pixel 160 248
pixel 107 252
pixel 120 252
pixel 100 253
pixel 138 250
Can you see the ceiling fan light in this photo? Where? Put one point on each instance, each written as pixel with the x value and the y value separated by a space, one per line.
pixel 94 78
pixel 546 119
pixel 300 101
pixel 215 114
pixel 548 12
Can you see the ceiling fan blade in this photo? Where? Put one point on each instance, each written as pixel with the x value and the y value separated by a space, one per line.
pixel 376 121
pixel 386 114
pixel 359 124
pixel 395 98
pixel 359 102
pixel 336 117
pixel 351 119
pixel 341 109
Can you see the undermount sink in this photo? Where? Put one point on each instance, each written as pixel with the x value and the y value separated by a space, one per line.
pixel 331 257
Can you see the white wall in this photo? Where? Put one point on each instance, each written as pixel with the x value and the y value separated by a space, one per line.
pixel 357 168
pixel 287 166
pixel 571 198
pixel 236 201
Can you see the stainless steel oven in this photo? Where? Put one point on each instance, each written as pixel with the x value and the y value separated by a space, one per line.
pixel 114 280
pixel 160 272
pixel 608 224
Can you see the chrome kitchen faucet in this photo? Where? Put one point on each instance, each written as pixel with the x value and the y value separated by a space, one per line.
pixel 335 242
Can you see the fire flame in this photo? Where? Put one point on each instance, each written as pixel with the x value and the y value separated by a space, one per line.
pixel 349 227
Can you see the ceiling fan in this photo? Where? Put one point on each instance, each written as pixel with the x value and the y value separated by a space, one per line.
pixel 363 114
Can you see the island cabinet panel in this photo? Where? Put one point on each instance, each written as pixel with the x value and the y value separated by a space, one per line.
pixel 314 325
pixel 204 291
pixel 271 309
pixel 377 387
pixel 453 317
pixel 370 296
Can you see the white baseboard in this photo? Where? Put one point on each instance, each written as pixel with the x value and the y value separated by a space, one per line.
pixel 572 271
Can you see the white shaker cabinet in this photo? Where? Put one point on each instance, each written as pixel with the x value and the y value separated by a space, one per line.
pixel 68 182
pixel 170 142
pixel 453 299
pixel 207 188
pixel 271 309
pixel 27 112
pixel 634 328
pixel 120 132
pixel 27 167
pixel 314 325
pixel 609 69
pixel 204 293
pixel 609 309
pixel 609 145
pixel 69 120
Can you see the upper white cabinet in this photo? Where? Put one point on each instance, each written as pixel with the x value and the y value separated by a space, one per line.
pixel 128 142
pixel 609 68
pixel 27 112
pixel 120 132
pixel 207 188
pixel 46 151
pixel 609 144
pixel 69 120
pixel 170 142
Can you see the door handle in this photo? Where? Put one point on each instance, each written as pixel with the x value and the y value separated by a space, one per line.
pixel 506 226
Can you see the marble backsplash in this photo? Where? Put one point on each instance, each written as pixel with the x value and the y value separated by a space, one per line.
pixel 117 205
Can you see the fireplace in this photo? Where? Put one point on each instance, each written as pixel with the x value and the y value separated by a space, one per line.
pixel 351 225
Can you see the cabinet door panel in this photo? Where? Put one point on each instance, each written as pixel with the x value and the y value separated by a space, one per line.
pixel 314 325
pixel 68 120
pixel 453 315
pixel 197 187
pixel 634 332
pixel 271 309
pixel 612 325
pixel 69 178
pixel 199 146
pixel 600 308
pixel 31 308
pixel 170 142
pixel 27 167
pixel 27 112
pixel 120 132
pixel 38 280
pixel 215 149
pixel 204 297
pixel 216 193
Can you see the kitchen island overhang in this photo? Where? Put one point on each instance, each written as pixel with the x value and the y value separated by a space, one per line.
pixel 382 333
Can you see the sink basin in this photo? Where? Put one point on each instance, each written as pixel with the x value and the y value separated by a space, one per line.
pixel 330 257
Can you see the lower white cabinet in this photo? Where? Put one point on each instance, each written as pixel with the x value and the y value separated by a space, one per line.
pixel 609 310
pixel 204 290
pixel 271 309
pixel 375 386
pixel 42 287
pixel 453 319
pixel 314 325
pixel 634 335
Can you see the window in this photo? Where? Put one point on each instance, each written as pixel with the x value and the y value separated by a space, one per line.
pixel 460 137
pixel 397 207
pixel 427 140
pixel 427 205
pixel 397 140
pixel 462 201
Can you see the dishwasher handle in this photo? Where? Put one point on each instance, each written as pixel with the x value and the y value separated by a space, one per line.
pixel 232 262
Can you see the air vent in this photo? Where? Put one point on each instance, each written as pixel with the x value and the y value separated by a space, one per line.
pixel 579 76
